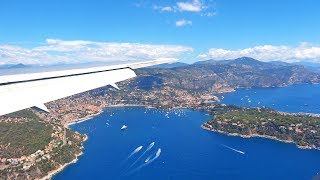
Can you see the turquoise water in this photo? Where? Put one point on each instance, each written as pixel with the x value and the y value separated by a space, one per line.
pixel 189 152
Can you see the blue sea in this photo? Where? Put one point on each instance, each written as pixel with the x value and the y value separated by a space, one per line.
pixel 188 151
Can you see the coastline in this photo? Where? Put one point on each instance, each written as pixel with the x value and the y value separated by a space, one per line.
pixel 258 136
pixel 61 167
pixel 76 121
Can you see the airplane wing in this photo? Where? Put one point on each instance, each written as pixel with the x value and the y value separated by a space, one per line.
pixel 22 91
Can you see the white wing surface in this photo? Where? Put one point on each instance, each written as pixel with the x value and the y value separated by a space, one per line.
pixel 22 91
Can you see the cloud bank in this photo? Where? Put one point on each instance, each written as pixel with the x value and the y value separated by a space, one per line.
pixel 78 51
pixel 303 52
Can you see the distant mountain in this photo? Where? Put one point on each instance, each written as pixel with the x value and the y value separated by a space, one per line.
pixel 245 61
pixel 309 64
pixel 20 65
pixel 315 67
pixel 211 61
pixel 13 66
pixel 280 63
pixel 170 65
pixel 239 73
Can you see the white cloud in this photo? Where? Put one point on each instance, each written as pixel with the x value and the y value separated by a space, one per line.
pixel 192 6
pixel 183 22
pixel 167 8
pixel 303 52
pixel 163 8
pixel 203 7
pixel 57 51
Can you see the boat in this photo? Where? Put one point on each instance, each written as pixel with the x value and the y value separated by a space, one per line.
pixel 147 160
pixel 124 127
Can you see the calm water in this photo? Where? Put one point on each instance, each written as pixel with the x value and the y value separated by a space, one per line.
pixel 189 152
pixel 298 98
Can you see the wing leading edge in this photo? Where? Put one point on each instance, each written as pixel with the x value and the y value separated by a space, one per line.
pixel 19 92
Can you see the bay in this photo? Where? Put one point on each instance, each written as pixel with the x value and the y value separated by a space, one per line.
pixel 188 151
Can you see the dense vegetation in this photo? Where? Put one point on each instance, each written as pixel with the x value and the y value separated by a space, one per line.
pixel 23 114
pixel 66 153
pixel 22 134
pixel 302 129
pixel 25 137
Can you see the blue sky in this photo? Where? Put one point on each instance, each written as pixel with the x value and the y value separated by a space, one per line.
pixel 213 29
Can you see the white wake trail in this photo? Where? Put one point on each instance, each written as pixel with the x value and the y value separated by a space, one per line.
pixel 235 150
pixel 148 149
pixel 132 153
pixel 146 163
pixel 148 158
pixel 135 151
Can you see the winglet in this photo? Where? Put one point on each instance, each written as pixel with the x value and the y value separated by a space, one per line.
pixel 42 107
pixel 114 85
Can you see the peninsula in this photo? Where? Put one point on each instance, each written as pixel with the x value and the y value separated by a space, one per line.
pixel 301 129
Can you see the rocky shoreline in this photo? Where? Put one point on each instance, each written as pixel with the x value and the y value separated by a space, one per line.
pixel 76 121
pixel 257 136
pixel 62 167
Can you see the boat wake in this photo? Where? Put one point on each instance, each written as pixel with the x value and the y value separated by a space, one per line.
pixel 235 150
pixel 148 158
pixel 132 153
pixel 135 151
pixel 148 149
pixel 146 162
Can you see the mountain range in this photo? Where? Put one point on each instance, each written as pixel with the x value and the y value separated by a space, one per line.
pixel 13 66
pixel 217 76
